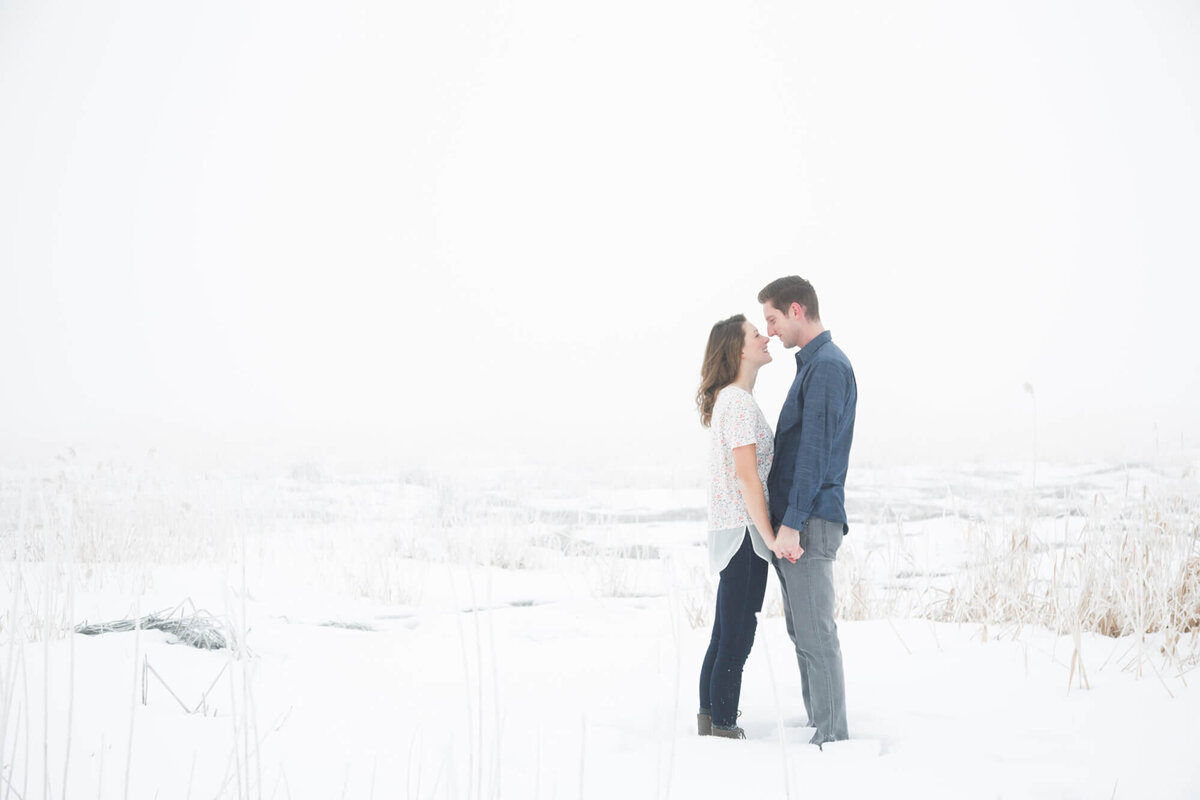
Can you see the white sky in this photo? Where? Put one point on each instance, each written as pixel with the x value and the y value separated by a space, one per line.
pixel 506 228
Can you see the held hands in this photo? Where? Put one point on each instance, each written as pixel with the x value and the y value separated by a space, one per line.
pixel 787 544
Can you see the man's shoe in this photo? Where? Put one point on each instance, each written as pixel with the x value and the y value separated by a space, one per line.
pixel 704 723
pixel 728 733
pixel 820 741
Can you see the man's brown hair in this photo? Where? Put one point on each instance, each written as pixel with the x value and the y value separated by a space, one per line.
pixel 782 292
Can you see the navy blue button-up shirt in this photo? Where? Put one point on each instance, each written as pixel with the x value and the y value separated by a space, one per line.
pixel 812 439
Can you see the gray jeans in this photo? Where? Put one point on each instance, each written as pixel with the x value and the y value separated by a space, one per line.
pixel 808 610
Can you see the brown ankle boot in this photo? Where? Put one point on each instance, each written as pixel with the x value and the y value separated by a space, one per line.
pixel 704 723
pixel 729 733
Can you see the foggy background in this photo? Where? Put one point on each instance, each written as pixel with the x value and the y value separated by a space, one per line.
pixel 499 232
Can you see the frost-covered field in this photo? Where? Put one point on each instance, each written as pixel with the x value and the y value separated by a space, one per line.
pixel 399 633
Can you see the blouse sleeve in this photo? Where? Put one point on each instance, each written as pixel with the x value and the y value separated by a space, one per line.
pixel 738 426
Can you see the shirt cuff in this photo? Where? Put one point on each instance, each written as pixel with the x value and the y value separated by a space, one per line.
pixel 795 519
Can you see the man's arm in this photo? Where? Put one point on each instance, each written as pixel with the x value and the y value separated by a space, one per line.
pixel 824 402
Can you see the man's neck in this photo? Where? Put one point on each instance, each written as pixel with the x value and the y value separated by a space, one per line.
pixel 816 330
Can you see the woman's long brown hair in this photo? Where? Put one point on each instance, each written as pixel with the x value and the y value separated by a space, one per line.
pixel 722 358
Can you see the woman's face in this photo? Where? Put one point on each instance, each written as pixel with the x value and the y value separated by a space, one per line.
pixel 754 348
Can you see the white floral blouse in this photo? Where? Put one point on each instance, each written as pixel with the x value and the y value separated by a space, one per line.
pixel 736 421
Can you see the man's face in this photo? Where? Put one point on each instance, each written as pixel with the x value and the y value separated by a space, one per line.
pixel 787 326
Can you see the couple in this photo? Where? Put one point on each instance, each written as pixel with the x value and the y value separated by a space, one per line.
pixel 777 499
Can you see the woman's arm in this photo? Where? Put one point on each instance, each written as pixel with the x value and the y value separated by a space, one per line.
pixel 745 464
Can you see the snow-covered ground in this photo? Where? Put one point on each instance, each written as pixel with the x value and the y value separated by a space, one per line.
pixel 402 636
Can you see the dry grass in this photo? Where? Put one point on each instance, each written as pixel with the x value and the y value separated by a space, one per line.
pixel 1131 570
pixel 191 626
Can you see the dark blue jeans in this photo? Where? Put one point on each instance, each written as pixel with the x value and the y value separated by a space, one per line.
pixel 739 597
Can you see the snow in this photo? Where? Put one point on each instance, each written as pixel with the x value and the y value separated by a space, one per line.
pixel 532 700
pixel 564 666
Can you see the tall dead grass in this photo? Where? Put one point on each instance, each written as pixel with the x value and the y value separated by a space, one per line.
pixel 1130 570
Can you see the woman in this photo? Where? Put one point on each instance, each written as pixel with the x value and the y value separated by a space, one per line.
pixel 740 537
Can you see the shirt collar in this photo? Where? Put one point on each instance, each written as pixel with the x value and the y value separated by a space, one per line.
pixel 806 353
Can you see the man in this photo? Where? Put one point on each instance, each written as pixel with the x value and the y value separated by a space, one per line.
pixel 807 495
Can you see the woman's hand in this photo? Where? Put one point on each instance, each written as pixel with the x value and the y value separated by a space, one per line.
pixel 787 544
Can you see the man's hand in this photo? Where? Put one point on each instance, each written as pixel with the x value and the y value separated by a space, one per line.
pixel 787 544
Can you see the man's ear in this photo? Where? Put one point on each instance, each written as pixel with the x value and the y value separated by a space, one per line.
pixel 796 311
